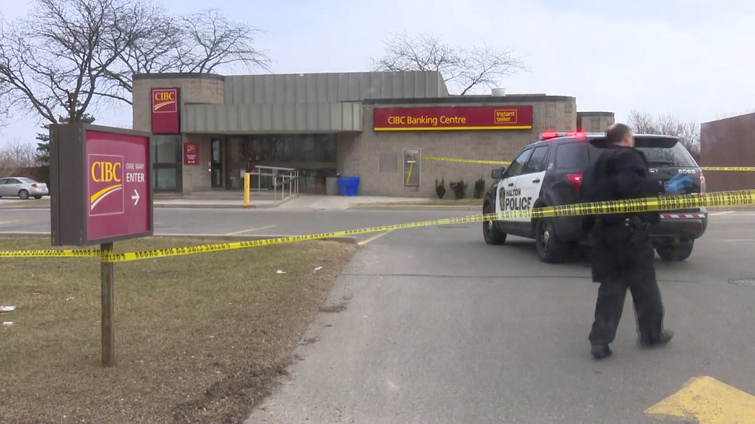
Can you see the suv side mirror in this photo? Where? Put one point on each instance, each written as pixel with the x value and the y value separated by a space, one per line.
pixel 497 174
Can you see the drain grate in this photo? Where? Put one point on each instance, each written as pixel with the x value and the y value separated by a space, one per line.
pixel 745 282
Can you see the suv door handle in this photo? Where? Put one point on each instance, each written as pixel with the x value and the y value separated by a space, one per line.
pixel 536 181
pixel 511 184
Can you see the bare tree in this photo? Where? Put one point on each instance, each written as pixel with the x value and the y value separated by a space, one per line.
pixel 15 156
pixel 200 42
pixel 687 132
pixel 4 89
pixel 463 68
pixel 56 58
pixel 67 55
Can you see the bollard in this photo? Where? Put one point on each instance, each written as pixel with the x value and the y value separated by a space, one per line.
pixel 247 188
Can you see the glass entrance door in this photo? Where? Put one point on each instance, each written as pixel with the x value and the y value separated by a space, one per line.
pixel 260 152
pixel 236 154
pixel 216 163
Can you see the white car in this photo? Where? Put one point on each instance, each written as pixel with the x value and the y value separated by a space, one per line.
pixel 22 187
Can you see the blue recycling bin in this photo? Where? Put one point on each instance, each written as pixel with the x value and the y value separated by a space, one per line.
pixel 348 186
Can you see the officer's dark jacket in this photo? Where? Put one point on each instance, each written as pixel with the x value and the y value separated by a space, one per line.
pixel 619 173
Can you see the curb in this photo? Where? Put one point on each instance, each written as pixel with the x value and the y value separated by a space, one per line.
pixel 342 239
pixel 160 206
pixel 416 208
pixel 205 206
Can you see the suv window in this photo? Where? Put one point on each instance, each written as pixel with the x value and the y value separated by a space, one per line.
pixel 537 160
pixel 517 165
pixel 659 151
pixel 664 152
pixel 571 155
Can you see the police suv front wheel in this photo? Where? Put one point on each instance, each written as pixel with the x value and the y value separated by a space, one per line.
pixel 549 247
pixel 489 230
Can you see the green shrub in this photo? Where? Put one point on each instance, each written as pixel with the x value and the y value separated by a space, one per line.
pixel 459 188
pixel 440 188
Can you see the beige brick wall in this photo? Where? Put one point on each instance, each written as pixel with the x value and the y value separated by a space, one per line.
pixel 192 90
pixel 360 154
pixel 594 121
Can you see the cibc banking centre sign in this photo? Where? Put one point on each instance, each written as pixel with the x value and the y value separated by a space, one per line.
pixel 101 188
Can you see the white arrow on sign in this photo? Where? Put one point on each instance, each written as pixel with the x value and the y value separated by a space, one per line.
pixel 135 197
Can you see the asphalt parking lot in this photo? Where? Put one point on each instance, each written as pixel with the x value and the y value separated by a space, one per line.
pixel 439 327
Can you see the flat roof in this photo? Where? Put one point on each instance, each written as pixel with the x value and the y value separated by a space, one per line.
pixel 179 75
pixel 509 98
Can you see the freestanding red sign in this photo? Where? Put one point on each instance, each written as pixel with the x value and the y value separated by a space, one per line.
pixel 117 185
pixel 100 184
pixel 101 192
pixel 191 154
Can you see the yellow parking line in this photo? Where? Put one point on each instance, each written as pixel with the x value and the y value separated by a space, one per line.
pixel 11 222
pixel 249 230
pixel 721 213
pixel 707 401
pixel 373 238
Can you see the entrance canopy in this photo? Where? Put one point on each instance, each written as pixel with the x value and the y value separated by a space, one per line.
pixel 289 118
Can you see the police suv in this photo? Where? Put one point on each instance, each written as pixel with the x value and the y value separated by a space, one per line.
pixel 549 172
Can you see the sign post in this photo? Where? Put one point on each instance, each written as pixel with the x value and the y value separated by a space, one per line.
pixel 101 192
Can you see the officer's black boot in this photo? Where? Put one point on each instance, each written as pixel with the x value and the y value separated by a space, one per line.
pixel 600 351
pixel 660 340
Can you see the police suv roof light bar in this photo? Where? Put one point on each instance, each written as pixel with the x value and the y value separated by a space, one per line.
pixel 548 135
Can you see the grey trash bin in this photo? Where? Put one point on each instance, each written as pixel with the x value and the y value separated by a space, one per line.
pixel 331 186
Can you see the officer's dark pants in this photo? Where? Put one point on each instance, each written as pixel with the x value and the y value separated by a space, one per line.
pixel 623 260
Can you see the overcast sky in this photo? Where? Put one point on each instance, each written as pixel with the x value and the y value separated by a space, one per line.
pixel 690 58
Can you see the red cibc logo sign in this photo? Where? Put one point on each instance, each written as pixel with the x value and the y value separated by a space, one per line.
pixel 105 189
pixel 117 185
pixel 165 111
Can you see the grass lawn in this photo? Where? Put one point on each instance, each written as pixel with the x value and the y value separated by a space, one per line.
pixel 199 338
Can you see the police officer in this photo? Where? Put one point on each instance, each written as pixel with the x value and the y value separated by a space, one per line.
pixel 622 255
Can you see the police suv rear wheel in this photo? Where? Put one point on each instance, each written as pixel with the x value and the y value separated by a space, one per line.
pixel 671 253
pixel 549 247
pixel 489 230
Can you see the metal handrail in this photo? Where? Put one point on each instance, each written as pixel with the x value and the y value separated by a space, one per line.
pixel 288 176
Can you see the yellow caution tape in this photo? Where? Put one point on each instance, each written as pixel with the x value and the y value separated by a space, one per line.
pixel 495 162
pixel 487 162
pixel 77 253
pixel 651 204
pixel 729 168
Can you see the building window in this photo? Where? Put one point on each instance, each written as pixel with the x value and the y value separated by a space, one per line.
pixel 167 162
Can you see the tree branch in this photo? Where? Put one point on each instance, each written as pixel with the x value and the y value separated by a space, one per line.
pixel 67 55
pixel 463 68
pixel 688 133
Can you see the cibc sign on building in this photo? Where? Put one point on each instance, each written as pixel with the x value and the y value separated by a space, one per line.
pixel 101 184
pixel 165 107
